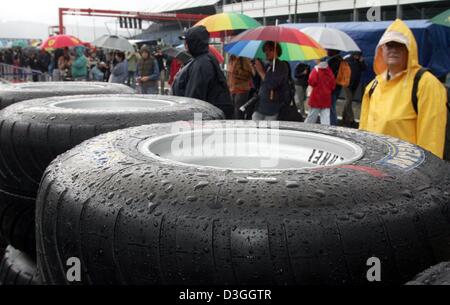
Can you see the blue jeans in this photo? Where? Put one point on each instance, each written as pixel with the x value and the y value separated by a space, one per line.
pixel 315 112
pixel 148 89
pixel 131 79
pixel 263 117
pixel 79 79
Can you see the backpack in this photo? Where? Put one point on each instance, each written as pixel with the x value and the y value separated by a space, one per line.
pixel 239 72
pixel 344 74
pixel 299 69
pixel 289 110
pixel 291 83
pixel 414 101
pixel 287 90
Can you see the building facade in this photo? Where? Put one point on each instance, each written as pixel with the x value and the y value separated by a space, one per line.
pixel 270 12
pixel 293 11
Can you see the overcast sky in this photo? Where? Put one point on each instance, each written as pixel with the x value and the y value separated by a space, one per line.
pixel 46 12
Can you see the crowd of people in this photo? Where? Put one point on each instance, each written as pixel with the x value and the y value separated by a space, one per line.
pixel 269 83
pixel 20 60
pixel 144 68
pixel 149 70
pixel 386 105
pixel 260 89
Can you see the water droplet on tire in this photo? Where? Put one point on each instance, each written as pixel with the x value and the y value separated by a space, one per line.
pixel 200 185
pixel 292 184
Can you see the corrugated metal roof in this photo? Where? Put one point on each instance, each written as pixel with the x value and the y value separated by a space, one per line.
pixel 173 5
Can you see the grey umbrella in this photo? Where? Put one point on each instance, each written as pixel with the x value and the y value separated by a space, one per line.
pixel 330 38
pixel 178 53
pixel 113 42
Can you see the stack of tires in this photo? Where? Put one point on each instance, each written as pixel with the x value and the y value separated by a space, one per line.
pixel 126 208
pixel 34 132
pixel 9 95
pixel 134 199
pixel 435 275
pixel 13 93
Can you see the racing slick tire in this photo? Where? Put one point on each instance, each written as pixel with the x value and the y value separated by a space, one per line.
pixel 17 221
pixel 436 275
pixel 2 247
pixel 13 93
pixel 34 132
pixel 173 204
pixel 17 268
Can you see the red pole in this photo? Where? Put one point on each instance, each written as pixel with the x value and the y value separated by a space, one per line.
pixel 61 22
pixel 111 13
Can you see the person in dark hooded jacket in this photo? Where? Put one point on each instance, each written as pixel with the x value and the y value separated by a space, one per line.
pixel 202 77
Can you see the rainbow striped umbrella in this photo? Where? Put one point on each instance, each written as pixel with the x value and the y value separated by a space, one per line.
pixel 295 45
pixel 226 24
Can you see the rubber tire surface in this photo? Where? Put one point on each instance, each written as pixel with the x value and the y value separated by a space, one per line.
pixel 435 275
pixel 17 222
pixel 135 219
pixel 34 132
pixel 2 247
pixel 13 93
pixel 16 268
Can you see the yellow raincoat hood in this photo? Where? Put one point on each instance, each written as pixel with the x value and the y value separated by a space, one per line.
pixel 401 29
pixel 389 110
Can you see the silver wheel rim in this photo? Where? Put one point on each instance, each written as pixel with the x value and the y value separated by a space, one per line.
pixel 111 103
pixel 61 86
pixel 236 149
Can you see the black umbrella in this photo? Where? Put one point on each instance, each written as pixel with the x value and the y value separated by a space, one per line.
pixel 179 54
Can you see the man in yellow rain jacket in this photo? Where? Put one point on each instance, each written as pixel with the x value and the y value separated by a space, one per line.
pixel 388 109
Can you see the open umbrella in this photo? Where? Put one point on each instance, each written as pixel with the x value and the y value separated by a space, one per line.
pixel 88 45
pixel 442 19
pixel 182 55
pixel 60 41
pixel 113 42
pixel 226 24
pixel 177 53
pixel 36 43
pixel 216 54
pixel 19 44
pixel 330 38
pixel 295 45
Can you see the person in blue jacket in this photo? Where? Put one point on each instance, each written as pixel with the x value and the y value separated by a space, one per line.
pixel 274 90
pixel 119 73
